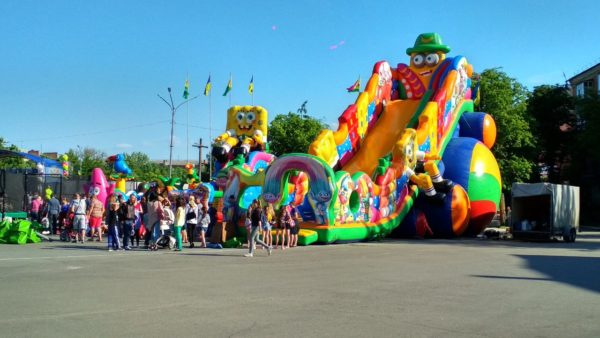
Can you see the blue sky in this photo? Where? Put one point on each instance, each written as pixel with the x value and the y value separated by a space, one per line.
pixel 87 73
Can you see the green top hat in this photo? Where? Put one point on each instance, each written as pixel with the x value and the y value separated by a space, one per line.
pixel 428 42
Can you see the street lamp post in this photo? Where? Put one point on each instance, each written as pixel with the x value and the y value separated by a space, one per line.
pixel 80 154
pixel 173 110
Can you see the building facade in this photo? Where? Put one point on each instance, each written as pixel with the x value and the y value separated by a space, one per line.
pixel 586 82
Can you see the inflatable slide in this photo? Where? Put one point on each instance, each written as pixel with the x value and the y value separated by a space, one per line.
pixel 410 157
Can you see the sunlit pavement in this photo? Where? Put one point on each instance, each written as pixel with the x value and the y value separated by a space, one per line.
pixel 436 288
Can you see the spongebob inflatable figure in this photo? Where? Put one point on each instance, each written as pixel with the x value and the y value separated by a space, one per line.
pixel 246 131
pixel 407 158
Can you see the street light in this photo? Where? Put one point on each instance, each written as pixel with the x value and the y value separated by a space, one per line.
pixel 173 110
pixel 80 154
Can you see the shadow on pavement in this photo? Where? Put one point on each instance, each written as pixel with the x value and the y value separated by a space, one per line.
pixel 76 247
pixel 210 254
pixel 581 272
pixel 585 242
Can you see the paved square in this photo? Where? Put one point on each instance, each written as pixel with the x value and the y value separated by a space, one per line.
pixel 431 288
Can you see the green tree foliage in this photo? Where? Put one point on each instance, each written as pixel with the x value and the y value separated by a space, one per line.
pixel 293 132
pixel 582 168
pixel 506 100
pixel 588 109
pixel 13 162
pixel 144 169
pixel 552 108
pixel 83 161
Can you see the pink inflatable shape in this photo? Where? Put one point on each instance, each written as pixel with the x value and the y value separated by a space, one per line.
pixel 99 186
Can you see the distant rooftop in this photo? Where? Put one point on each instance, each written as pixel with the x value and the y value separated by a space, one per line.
pixel 593 69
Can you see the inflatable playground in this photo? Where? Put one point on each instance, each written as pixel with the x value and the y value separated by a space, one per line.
pixel 410 158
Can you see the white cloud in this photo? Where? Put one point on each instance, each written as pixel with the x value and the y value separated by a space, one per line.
pixel 124 145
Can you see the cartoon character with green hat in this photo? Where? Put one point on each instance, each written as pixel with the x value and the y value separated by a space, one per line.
pixel 425 56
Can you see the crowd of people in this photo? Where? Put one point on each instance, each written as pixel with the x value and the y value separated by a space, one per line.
pixel 158 219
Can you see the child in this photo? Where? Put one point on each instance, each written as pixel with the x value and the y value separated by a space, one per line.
pixel 204 221
pixel 179 221
pixel 294 215
pixel 267 224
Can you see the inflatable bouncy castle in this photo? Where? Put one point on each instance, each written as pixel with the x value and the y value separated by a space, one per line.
pixel 410 157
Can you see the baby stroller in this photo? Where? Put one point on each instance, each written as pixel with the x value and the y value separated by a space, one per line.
pixel 67 226
pixel 165 240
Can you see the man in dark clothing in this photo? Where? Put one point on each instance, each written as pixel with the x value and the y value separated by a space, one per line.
pixel 212 212
pixel 53 211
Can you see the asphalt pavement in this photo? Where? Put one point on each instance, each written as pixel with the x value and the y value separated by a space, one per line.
pixel 392 288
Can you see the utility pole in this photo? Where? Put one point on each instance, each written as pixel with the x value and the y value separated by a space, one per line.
pixel 173 110
pixel 199 145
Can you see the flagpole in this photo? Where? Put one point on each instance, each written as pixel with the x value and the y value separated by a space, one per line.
pixel 187 126
pixel 210 164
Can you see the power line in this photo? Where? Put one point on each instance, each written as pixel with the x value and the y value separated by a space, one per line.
pixel 196 126
pixel 106 131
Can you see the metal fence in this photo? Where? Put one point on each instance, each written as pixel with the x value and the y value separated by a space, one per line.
pixel 17 189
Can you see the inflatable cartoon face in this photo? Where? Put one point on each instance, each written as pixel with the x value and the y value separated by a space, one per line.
pixel 405 150
pixel 247 120
pixel 424 64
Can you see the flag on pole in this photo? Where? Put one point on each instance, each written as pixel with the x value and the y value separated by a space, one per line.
pixel 229 86
pixel 186 89
pixel 251 86
pixel 207 87
pixel 355 87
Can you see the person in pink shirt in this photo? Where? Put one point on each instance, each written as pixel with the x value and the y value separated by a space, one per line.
pixel 36 208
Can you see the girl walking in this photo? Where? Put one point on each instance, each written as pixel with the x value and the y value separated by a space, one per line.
pixel 255 218
pixel 180 216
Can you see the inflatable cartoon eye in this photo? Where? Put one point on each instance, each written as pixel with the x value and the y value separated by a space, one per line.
pixel 240 117
pixel 432 59
pixel 409 152
pixel 95 191
pixel 250 117
pixel 418 60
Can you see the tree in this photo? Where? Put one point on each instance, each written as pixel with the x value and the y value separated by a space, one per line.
pixel 505 100
pixel 293 133
pixel 13 162
pixel 552 108
pixel 586 157
pixel 83 161
pixel 588 109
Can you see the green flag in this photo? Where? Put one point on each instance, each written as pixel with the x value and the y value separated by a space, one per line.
pixel 186 89
pixel 229 86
